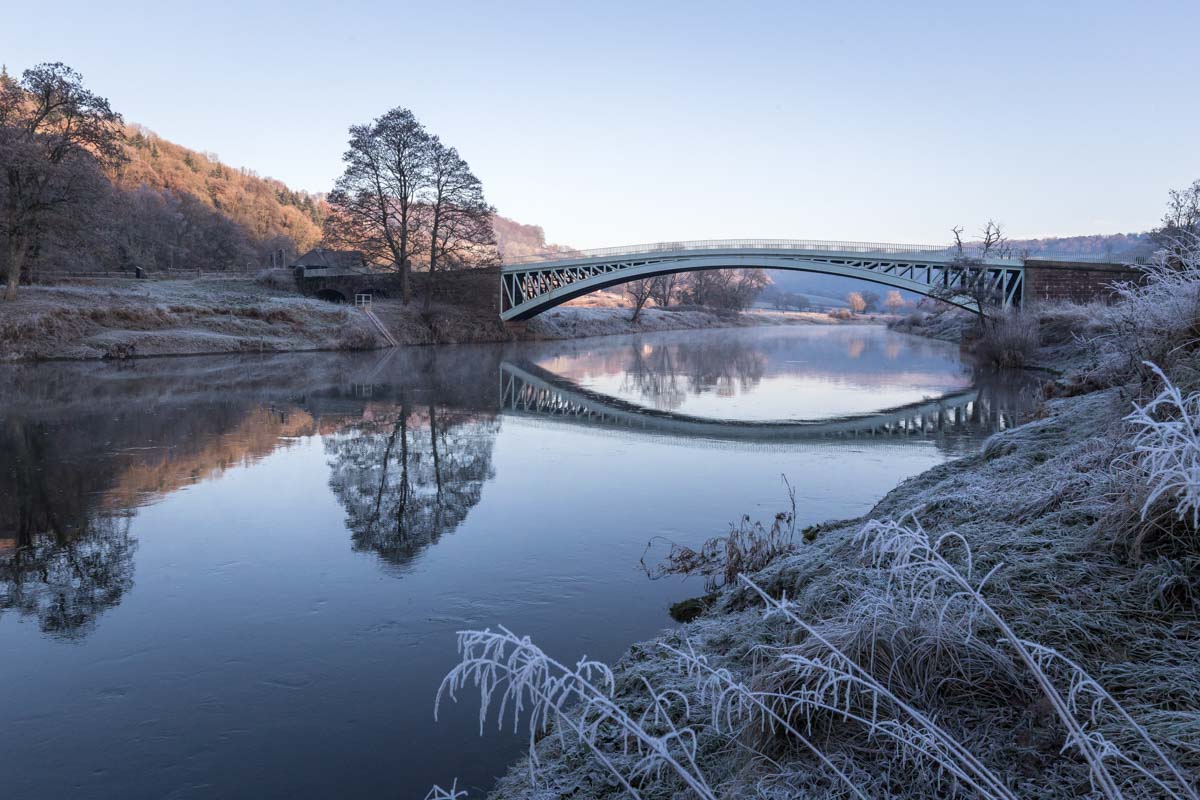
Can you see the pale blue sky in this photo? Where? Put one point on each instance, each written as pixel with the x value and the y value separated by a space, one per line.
pixel 620 122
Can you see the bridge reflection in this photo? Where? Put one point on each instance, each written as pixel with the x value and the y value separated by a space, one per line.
pixel 529 391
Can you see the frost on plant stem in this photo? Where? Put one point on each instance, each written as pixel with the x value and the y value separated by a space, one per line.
pixel 1155 320
pixel 1166 446
pixel 916 563
pixel 839 721
pixel 453 793
pixel 519 678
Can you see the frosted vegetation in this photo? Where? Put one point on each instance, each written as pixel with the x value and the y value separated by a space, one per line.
pixel 1022 623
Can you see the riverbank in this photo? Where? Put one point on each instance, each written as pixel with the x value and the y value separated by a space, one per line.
pixel 120 318
pixel 1049 511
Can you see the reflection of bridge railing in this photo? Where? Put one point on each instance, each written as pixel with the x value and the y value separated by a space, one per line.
pixel 529 390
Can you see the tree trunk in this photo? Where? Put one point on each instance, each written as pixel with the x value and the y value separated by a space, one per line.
pixel 433 441
pixel 427 302
pixel 433 252
pixel 16 258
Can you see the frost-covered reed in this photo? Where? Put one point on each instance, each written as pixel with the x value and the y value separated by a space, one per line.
pixel 814 690
pixel 1166 447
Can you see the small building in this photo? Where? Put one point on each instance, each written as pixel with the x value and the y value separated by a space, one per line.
pixel 319 258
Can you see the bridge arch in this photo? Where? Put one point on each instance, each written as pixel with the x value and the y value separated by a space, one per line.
pixel 529 289
pixel 564 294
pixel 330 295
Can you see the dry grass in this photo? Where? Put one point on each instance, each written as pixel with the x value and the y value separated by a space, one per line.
pixel 117 319
pixel 747 548
pixel 1008 341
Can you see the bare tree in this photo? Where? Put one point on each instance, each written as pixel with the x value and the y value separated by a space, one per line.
pixel 856 302
pixel 460 220
pixel 376 203
pixel 1181 220
pixel 894 301
pixel 729 289
pixel 639 292
pixel 871 299
pixel 664 288
pixel 55 135
pixel 975 283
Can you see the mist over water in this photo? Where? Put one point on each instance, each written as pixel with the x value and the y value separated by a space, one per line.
pixel 242 577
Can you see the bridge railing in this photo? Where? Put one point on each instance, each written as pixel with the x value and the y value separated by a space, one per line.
pixel 946 252
pixel 872 248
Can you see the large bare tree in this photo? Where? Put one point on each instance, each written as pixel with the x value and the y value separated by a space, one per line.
pixel 55 137
pixel 460 220
pixel 376 203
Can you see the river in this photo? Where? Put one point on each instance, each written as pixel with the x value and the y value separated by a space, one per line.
pixel 242 576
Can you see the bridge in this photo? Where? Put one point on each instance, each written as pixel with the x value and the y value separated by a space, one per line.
pixel 531 391
pixel 532 285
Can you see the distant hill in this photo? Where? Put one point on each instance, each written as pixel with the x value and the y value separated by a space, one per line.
pixel 516 240
pixel 1116 246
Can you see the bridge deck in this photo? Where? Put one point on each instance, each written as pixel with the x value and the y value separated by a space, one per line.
pixel 533 285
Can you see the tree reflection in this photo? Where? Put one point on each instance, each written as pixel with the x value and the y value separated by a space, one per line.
pixel 665 374
pixel 408 477
pixel 60 561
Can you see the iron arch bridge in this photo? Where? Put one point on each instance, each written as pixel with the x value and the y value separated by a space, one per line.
pixel 530 286
pixel 531 391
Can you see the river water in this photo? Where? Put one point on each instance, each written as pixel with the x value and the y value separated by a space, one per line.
pixel 242 577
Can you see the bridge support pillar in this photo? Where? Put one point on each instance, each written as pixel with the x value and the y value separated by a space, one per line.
pixel 1074 281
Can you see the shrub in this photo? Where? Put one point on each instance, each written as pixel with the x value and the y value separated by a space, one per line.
pixel 357 338
pixel 280 279
pixel 1009 340
pixel 1158 321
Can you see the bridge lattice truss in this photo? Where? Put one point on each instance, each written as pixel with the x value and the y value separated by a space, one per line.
pixel 527 289
pixel 531 391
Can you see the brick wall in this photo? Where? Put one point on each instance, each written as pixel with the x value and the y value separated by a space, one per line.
pixel 1079 282
pixel 478 288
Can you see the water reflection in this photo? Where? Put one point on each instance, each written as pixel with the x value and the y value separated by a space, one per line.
pixel 81 449
pixel 407 476
pixel 59 563
pixel 196 529
pixel 408 436
pixel 955 421
pixel 764 374
pixel 664 375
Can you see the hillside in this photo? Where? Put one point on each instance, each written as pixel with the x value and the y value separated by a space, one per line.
pixel 265 209
pixel 170 208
